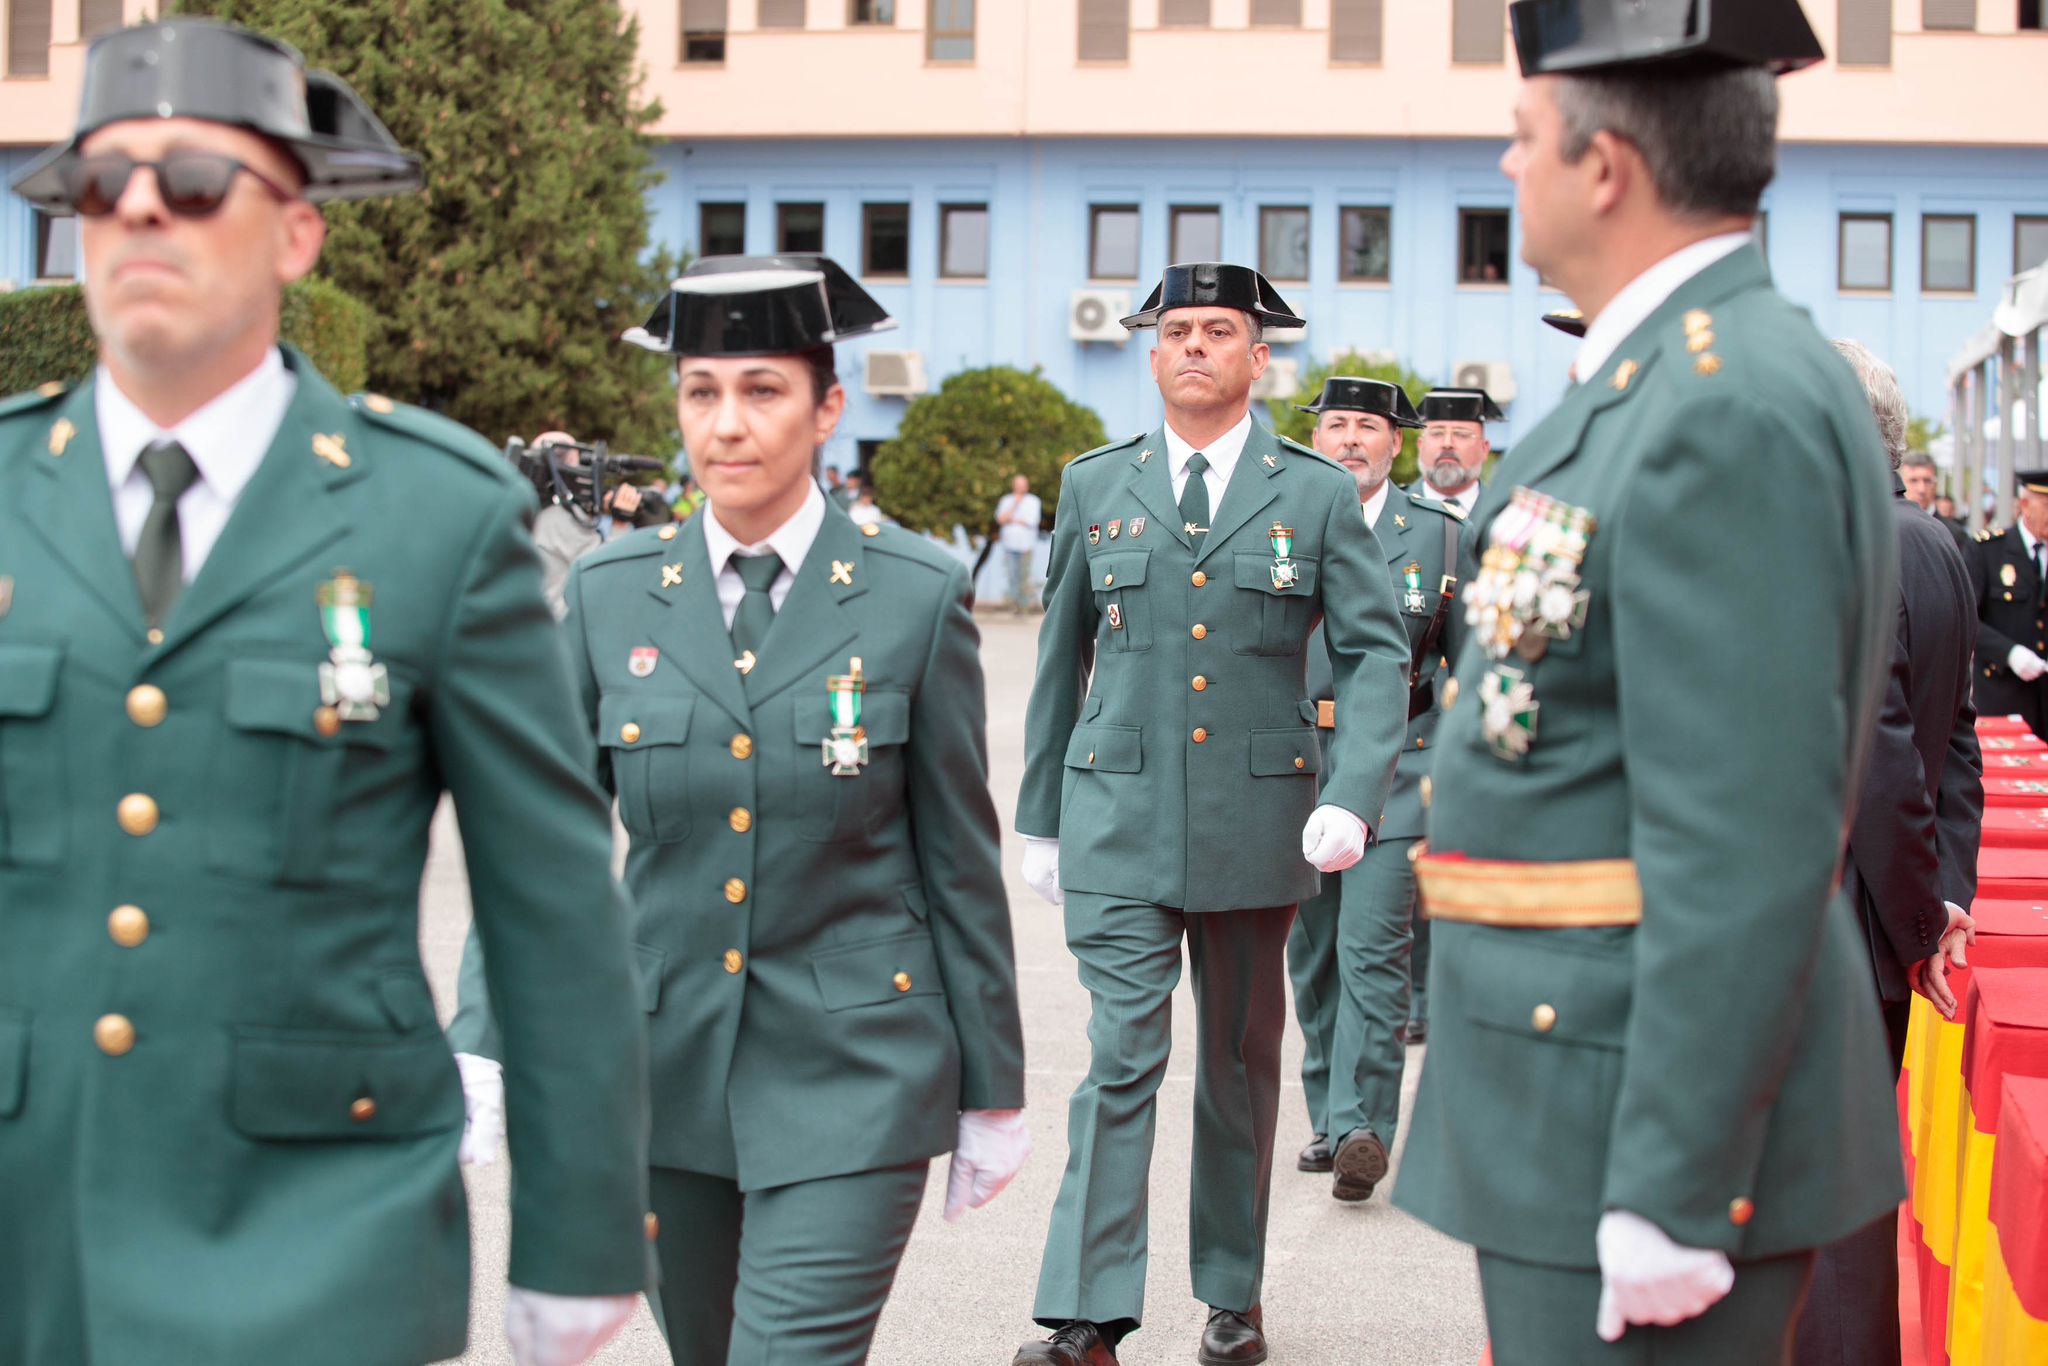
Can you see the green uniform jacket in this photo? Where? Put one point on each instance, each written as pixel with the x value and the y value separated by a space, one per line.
pixel 825 961
pixel 1410 531
pixel 1718 1069
pixel 269 1174
pixel 1142 805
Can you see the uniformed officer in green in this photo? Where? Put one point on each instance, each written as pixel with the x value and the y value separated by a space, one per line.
pixel 2009 574
pixel 789 708
pixel 243 653
pixel 1657 1079
pixel 1349 952
pixel 1179 792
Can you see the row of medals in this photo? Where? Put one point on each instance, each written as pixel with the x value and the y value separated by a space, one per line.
pixel 1526 595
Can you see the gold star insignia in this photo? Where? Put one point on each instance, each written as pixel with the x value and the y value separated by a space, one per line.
pixel 842 571
pixel 1623 374
pixel 1709 364
pixel 332 449
pixel 671 576
pixel 61 434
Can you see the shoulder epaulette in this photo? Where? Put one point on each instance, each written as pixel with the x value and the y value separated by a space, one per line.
pixel 1130 440
pixel 443 433
pixel 905 545
pixel 1288 443
pixel 1450 510
pixel 1988 535
pixel 31 399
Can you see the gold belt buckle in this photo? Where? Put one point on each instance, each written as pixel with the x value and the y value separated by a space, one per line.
pixel 1326 714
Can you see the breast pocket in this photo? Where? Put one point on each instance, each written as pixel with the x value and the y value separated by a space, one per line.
pixel 850 807
pixel 32 768
pixel 646 736
pixel 280 774
pixel 1121 601
pixel 1276 620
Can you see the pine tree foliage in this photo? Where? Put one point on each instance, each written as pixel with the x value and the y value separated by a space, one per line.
pixel 499 293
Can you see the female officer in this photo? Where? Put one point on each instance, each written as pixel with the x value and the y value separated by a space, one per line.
pixel 789 710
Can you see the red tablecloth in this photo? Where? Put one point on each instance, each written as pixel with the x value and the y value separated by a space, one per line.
pixel 2008 874
pixel 2025 743
pixel 2019 1190
pixel 2016 787
pixel 2017 827
pixel 2002 726
pixel 2016 762
pixel 2011 933
pixel 2008 1034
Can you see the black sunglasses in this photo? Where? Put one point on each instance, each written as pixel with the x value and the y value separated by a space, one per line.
pixel 191 184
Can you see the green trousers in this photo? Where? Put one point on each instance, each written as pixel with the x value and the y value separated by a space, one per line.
pixel 1418 972
pixel 791 1276
pixel 1129 955
pixel 1349 956
pixel 1544 1316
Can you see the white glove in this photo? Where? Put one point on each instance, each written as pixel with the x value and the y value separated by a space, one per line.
pixel 987 1156
pixel 1647 1278
pixel 562 1330
pixel 1042 868
pixel 483 1109
pixel 1333 839
pixel 2024 662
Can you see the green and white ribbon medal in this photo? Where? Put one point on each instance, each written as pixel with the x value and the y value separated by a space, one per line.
pixel 846 748
pixel 351 682
pixel 1285 573
pixel 1412 574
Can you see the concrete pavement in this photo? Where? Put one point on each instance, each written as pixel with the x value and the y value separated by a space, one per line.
pixel 1346 1285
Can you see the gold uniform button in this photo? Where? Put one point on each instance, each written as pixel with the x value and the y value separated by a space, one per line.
pixel 138 814
pixel 115 1034
pixel 156 637
pixel 1543 1018
pixel 902 981
pixel 1450 693
pixel 652 1223
pixel 742 746
pixel 1741 1210
pixel 1198 578
pixel 327 721
pixel 147 706
pixel 1428 791
pixel 741 820
pixel 127 926
pixel 870 530
pixel 667 533
pixel 1200 684
pixel 1419 742
pixel 1201 734
pixel 734 960
pixel 1300 762
pixel 735 891
pixel 1091 756
pixel 363 1110
pixel 630 732
pixel 1108 579
pixel 1200 632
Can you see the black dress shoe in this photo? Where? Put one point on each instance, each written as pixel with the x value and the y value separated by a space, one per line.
pixel 1076 1344
pixel 1360 1164
pixel 1316 1156
pixel 1233 1339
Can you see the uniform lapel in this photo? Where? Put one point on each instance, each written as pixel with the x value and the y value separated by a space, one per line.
pixel 1248 491
pixel 1393 535
pixel 1151 479
pixel 694 625
pixel 813 624
pixel 68 505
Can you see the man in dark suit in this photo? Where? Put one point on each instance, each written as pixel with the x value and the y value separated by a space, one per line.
pixel 1912 860
pixel 2010 584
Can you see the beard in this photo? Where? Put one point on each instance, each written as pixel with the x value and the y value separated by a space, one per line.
pixel 1447 473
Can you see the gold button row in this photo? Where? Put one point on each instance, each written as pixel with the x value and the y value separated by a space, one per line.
pixel 734 960
pixel 127 926
pixel 1198 578
pixel 138 814
pixel 741 820
pixel 147 706
pixel 1200 684
pixel 735 890
pixel 1201 734
pixel 115 1035
pixel 742 746
pixel 1199 632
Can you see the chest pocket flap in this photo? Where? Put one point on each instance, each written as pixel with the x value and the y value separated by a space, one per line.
pixel 1255 571
pixel 1118 569
pixel 282 697
pixel 884 715
pixel 28 679
pixel 1111 749
pixel 649 718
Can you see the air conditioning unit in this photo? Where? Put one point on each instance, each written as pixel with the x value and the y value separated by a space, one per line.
pixel 1282 378
pixel 895 374
pixel 1496 377
pixel 1092 315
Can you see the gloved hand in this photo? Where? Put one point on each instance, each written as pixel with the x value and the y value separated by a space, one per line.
pixel 1647 1278
pixel 987 1155
pixel 1042 868
pixel 2024 662
pixel 483 1109
pixel 561 1330
pixel 1333 839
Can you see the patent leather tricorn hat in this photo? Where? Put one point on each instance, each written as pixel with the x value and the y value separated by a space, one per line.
pixel 1567 37
pixel 760 306
pixel 1349 393
pixel 1215 284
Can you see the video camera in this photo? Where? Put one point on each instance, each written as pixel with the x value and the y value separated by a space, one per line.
pixel 580 486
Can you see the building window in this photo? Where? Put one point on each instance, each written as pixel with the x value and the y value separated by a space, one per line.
pixel 1193 234
pixel 1278 13
pixel 1482 246
pixel 1113 241
pixel 1365 249
pixel 1866 251
pixel 98 17
pixel 885 239
pixel 1948 253
pixel 1105 30
pixel 1951 14
pixel 782 14
pixel 949 31
pixel 56 246
pixel 963 241
pixel 1863 33
pixel 1479 30
pixel 800 228
pixel 882 12
pixel 1283 244
pixel 1183 13
pixel 2029 242
pixel 722 229
pixel 704 31
pixel 2033 16
pixel 1355 30
pixel 28 37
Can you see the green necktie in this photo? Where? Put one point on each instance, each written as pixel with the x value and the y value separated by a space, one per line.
pixel 160 551
pixel 1194 498
pixel 757 610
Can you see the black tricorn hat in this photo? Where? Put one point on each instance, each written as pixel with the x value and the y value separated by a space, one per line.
pixel 201 69
pixel 1215 284
pixel 1569 321
pixel 1460 405
pixel 760 306
pixel 1351 394
pixel 1567 36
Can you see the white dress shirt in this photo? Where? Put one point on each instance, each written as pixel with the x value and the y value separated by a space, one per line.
pixel 1222 454
pixel 1377 504
pixel 1464 500
pixel 1644 295
pixel 791 542
pixel 226 439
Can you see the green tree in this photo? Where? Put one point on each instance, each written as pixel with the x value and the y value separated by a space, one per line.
pixel 958 449
pixel 499 294
pixel 1300 426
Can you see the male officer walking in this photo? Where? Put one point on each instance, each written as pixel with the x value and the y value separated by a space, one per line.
pixel 1177 796
pixel 235 680
pixel 1350 966
pixel 2009 576
pixel 1657 1077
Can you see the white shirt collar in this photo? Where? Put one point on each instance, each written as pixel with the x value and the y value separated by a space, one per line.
pixel 2027 539
pixel 1644 295
pixel 1222 452
pixel 227 438
pixel 1377 504
pixel 791 541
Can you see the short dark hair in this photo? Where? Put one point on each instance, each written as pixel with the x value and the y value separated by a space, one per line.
pixel 1710 138
pixel 824 371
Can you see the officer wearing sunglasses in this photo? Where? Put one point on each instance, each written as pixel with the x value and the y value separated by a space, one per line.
pixel 236 676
